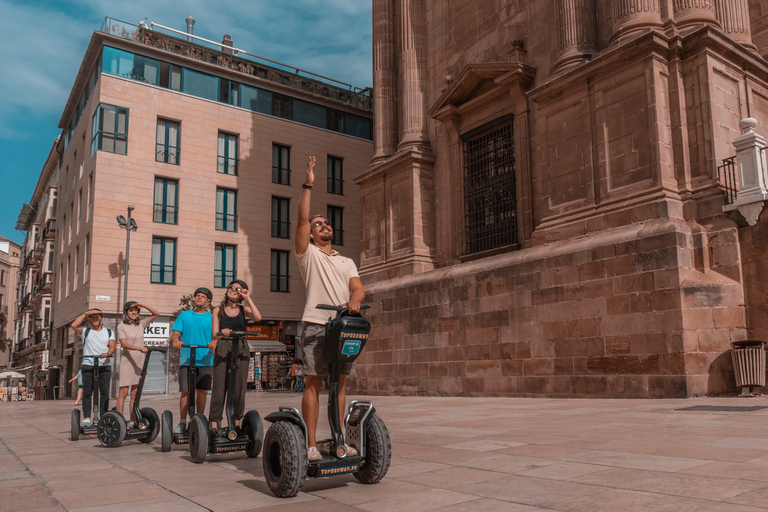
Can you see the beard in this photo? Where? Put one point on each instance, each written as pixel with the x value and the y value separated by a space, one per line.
pixel 326 237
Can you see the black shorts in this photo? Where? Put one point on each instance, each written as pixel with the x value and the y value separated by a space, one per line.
pixel 204 378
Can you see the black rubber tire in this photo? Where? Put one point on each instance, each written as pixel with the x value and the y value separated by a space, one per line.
pixel 254 429
pixel 378 452
pixel 285 459
pixel 153 424
pixel 198 438
pixel 167 431
pixel 74 434
pixel 111 429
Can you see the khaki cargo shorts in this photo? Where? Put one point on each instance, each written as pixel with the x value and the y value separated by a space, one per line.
pixel 313 352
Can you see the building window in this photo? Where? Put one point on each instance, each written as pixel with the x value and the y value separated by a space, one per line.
pixel 227 154
pixel 281 217
pixel 490 204
pixel 167 146
pixel 109 130
pixel 166 201
pixel 281 164
pixel 279 278
pixel 163 261
pixel 226 209
pixel 224 265
pixel 335 175
pixel 2 277
pixel 336 217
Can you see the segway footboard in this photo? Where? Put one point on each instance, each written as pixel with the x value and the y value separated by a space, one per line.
pixel 359 412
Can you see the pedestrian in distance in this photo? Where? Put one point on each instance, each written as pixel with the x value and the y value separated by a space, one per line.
pixel 230 316
pixel 98 341
pixel 131 335
pixel 193 327
pixel 329 278
pixel 79 378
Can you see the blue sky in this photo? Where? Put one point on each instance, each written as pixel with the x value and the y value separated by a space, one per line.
pixel 43 43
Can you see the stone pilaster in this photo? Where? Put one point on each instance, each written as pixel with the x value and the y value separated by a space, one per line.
pixel 733 15
pixel 633 16
pixel 384 80
pixel 576 32
pixel 413 51
pixel 689 13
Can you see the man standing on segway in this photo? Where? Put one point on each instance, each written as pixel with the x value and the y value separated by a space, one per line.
pixel 193 327
pixel 98 341
pixel 329 278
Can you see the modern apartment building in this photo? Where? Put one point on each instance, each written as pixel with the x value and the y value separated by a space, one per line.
pixel 9 269
pixel 208 146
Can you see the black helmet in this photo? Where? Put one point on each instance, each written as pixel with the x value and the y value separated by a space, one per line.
pixel 129 305
pixel 205 291
pixel 240 282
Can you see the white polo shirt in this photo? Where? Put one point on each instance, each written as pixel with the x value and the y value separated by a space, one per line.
pixel 326 279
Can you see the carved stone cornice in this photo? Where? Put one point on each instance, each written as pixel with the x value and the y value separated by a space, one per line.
pixel 499 79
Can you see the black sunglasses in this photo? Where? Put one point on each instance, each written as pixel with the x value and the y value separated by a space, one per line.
pixel 318 223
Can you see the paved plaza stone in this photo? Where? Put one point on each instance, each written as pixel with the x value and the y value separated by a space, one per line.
pixel 456 454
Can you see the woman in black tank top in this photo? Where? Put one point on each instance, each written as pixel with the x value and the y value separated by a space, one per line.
pixel 230 316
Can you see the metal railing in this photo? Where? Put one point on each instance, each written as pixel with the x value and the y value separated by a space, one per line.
pixel 238 60
pixel 727 174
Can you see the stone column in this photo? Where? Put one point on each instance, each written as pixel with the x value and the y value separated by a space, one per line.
pixel 413 108
pixel 688 13
pixel 576 32
pixel 733 15
pixel 384 80
pixel 633 16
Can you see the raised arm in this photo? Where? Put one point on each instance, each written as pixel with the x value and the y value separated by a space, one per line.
pixel 250 308
pixel 153 313
pixel 301 240
pixel 77 323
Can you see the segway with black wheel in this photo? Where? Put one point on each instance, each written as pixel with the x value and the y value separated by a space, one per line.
pixel 168 436
pixel 285 444
pixel 248 437
pixel 112 427
pixel 76 428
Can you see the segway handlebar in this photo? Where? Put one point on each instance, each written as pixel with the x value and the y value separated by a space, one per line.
pixel 339 308
pixel 233 334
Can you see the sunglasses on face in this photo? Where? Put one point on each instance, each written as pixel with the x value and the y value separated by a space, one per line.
pixel 236 288
pixel 318 223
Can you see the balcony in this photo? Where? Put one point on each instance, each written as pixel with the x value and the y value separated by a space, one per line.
pixel 43 284
pixel 50 229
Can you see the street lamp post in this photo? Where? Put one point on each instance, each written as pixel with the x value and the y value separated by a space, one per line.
pixel 129 225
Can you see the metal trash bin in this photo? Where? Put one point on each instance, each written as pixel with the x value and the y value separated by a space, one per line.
pixel 748 364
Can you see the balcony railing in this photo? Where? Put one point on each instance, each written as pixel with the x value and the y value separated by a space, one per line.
pixel 50 229
pixel 243 62
pixel 727 173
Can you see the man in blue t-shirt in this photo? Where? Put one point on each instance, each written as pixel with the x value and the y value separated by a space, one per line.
pixel 193 327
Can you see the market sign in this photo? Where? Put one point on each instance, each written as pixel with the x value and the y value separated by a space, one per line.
pixel 157 334
pixel 262 332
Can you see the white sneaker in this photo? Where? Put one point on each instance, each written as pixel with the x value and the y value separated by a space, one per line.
pixel 181 427
pixel 314 454
pixel 351 452
pixel 130 424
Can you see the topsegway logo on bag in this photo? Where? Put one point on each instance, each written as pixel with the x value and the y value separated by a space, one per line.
pixel 338 470
pixel 352 342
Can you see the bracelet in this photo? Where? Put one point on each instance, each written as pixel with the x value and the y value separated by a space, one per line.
pixel 304 185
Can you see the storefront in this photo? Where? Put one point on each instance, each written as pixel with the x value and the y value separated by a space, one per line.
pixel 270 363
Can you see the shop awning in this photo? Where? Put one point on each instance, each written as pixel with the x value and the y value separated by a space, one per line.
pixel 266 346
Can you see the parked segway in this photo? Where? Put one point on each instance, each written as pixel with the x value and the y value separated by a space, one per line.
pixel 76 429
pixel 285 444
pixel 248 437
pixel 112 427
pixel 168 436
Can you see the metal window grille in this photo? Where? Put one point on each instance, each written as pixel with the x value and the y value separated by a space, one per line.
pixel 281 164
pixel 336 217
pixel 335 175
pixel 490 200
pixel 281 218
pixel 279 278
pixel 727 173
